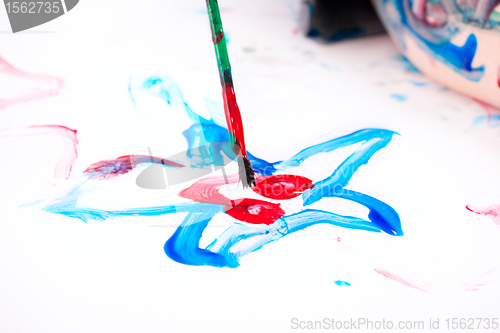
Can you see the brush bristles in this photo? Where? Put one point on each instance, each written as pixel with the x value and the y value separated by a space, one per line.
pixel 247 175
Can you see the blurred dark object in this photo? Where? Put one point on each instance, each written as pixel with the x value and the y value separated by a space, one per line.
pixel 336 20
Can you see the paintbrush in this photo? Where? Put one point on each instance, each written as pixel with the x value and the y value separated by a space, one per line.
pixel 231 110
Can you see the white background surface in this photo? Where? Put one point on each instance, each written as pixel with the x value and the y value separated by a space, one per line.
pixel 59 274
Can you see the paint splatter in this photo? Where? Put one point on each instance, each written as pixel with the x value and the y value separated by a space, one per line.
pixel 399 97
pixel 122 165
pixel 55 85
pixel 342 283
pixel 492 211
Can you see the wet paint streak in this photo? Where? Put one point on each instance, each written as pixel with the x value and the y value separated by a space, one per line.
pixel 246 210
pixel 183 248
pixel 122 165
pixel 282 187
pixel 56 85
pixel 242 239
pixel 385 217
pixel 70 208
pixel 68 138
pixel 398 279
pixel 492 211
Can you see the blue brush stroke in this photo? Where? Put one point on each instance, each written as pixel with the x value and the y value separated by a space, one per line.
pixel 458 58
pixel 241 238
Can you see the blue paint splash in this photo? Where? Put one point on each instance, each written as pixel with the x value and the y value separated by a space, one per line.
pixel 241 239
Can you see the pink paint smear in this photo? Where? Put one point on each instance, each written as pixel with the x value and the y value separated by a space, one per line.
pixel 479 282
pixel 55 83
pixel 492 211
pixel 68 137
pixel 399 279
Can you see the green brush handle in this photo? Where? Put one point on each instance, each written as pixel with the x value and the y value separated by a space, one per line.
pixel 219 41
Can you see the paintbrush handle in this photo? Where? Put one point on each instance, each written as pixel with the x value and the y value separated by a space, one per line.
pixel 231 109
pixel 219 41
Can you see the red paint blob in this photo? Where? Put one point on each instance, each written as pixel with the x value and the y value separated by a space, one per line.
pixel 282 187
pixel 218 38
pixel 254 211
pixel 246 210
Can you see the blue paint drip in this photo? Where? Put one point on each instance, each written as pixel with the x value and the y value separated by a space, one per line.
pixel 241 239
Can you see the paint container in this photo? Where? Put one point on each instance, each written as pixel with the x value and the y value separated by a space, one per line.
pixel 335 20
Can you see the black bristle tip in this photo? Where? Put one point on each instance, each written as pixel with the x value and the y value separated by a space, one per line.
pixel 247 175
